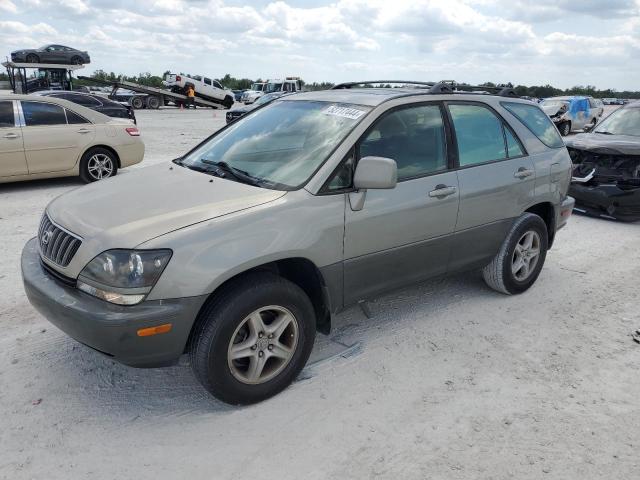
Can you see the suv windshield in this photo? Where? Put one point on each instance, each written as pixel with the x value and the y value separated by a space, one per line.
pixel 280 145
pixel 258 87
pixel 625 121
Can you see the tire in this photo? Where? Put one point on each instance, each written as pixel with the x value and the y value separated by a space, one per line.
pixel 226 321
pixel 33 58
pixel 137 103
pixel 593 124
pixel 565 128
pixel 91 172
pixel 153 102
pixel 500 275
pixel 228 102
pixel 76 60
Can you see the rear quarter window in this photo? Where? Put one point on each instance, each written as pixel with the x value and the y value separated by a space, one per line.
pixel 537 122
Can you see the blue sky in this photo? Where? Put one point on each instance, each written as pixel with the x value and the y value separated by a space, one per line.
pixel 562 42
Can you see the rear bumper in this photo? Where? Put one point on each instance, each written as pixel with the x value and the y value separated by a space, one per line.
pixel 108 328
pixel 607 201
pixel 131 153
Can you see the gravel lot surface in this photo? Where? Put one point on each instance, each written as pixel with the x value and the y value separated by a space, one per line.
pixel 448 380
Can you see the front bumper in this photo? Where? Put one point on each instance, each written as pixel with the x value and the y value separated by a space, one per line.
pixel 108 328
pixel 607 201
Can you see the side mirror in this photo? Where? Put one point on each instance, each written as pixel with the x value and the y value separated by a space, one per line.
pixel 588 128
pixel 375 173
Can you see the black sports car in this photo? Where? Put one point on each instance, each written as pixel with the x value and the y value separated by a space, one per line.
pixel 94 102
pixel 51 54
pixel 606 166
pixel 238 112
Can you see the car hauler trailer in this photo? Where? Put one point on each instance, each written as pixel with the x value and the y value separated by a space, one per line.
pixel 48 76
pixel 155 97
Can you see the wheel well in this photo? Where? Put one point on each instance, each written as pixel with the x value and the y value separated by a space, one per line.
pixel 548 214
pixel 106 148
pixel 300 271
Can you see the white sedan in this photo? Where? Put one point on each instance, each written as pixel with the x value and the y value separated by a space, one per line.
pixel 44 137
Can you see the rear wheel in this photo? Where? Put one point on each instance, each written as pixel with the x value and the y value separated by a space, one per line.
pixel 98 164
pixel 565 128
pixel 137 103
pixel 153 102
pixel 520 258
pixel 33 58
pixel 76 60
pixel 253 338
pixel 228 102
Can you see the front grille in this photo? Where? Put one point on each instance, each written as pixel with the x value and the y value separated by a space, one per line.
pixel 56 244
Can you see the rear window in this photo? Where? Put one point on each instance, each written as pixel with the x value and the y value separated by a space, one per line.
pixel 537 121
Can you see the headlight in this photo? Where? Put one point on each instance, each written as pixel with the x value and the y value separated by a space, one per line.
pixel 123 277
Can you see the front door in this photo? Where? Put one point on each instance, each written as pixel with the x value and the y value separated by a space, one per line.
pixel 497 182
pixel 53 143
pixel 399 236
pixel 12 158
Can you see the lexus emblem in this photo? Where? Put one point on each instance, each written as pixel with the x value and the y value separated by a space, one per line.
pixel 46 236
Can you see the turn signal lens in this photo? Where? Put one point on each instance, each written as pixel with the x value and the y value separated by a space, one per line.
pixel 147 332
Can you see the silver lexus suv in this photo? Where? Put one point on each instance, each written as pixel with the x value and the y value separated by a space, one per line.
pixel 239 251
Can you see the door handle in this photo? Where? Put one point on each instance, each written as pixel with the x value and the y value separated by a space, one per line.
pixel 523 173
pixel 84 130
pixel 11 135
pixel 442 191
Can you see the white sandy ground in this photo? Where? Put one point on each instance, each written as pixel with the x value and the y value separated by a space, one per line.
pixel 448 380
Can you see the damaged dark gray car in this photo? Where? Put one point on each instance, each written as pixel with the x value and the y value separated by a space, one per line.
pixel 606 166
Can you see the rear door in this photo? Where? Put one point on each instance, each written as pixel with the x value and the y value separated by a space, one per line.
pixel 401 235
pixel 496 179
pixel 54 137
pixel 12 158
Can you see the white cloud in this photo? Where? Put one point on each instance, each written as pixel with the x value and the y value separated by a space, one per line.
pixel 8 6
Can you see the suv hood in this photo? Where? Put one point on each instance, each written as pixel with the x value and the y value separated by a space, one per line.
pixel 605 144
pixel 127 210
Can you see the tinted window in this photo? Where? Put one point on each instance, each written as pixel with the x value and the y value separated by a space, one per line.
pixel 36 113
pixel 514 149
pixel 6 114
pixel 85 100
pixel 207 81
pixel 413 137
pixel 478 133
pixel 73 117
pixel 536 121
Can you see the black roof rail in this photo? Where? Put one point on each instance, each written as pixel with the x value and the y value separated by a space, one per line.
pixel 442 87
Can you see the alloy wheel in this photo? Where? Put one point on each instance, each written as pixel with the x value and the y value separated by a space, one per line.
pixel 100 166
pixel 526 255
pixel 263 345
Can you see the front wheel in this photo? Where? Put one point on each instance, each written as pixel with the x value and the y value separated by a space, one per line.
pixel 253 338
pixel 228 102
pixel 76 61
pixel 32 58
pixel 520 259
pixel 565 128
pixel 98 164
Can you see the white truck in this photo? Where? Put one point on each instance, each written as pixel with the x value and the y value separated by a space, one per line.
pixel 204 87
pixel 289 84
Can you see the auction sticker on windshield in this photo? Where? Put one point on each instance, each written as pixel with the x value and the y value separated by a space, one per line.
pixel 346 112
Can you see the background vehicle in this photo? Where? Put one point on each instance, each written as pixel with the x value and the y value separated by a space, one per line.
pixel 570 113
pixel 606 173
pixel 94 102
pixel 384 205
pixel 237 95
pixel 255 92
pixel 204 87
pixel 596 105
pixel 51 54
pixel 44 137
pixel 264 99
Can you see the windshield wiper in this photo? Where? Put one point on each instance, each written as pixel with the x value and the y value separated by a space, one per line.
pixel 225 169
pixel 603 132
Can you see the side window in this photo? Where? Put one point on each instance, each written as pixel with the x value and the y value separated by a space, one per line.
pixel 414 137
pixel 207 81
pixel 6 114
pixel 514 148
pixel 537 122
pixel 36 113
pixel 218 85
pixel 84 100
pixel 343 176
pixel 74 118
pixel 478 133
